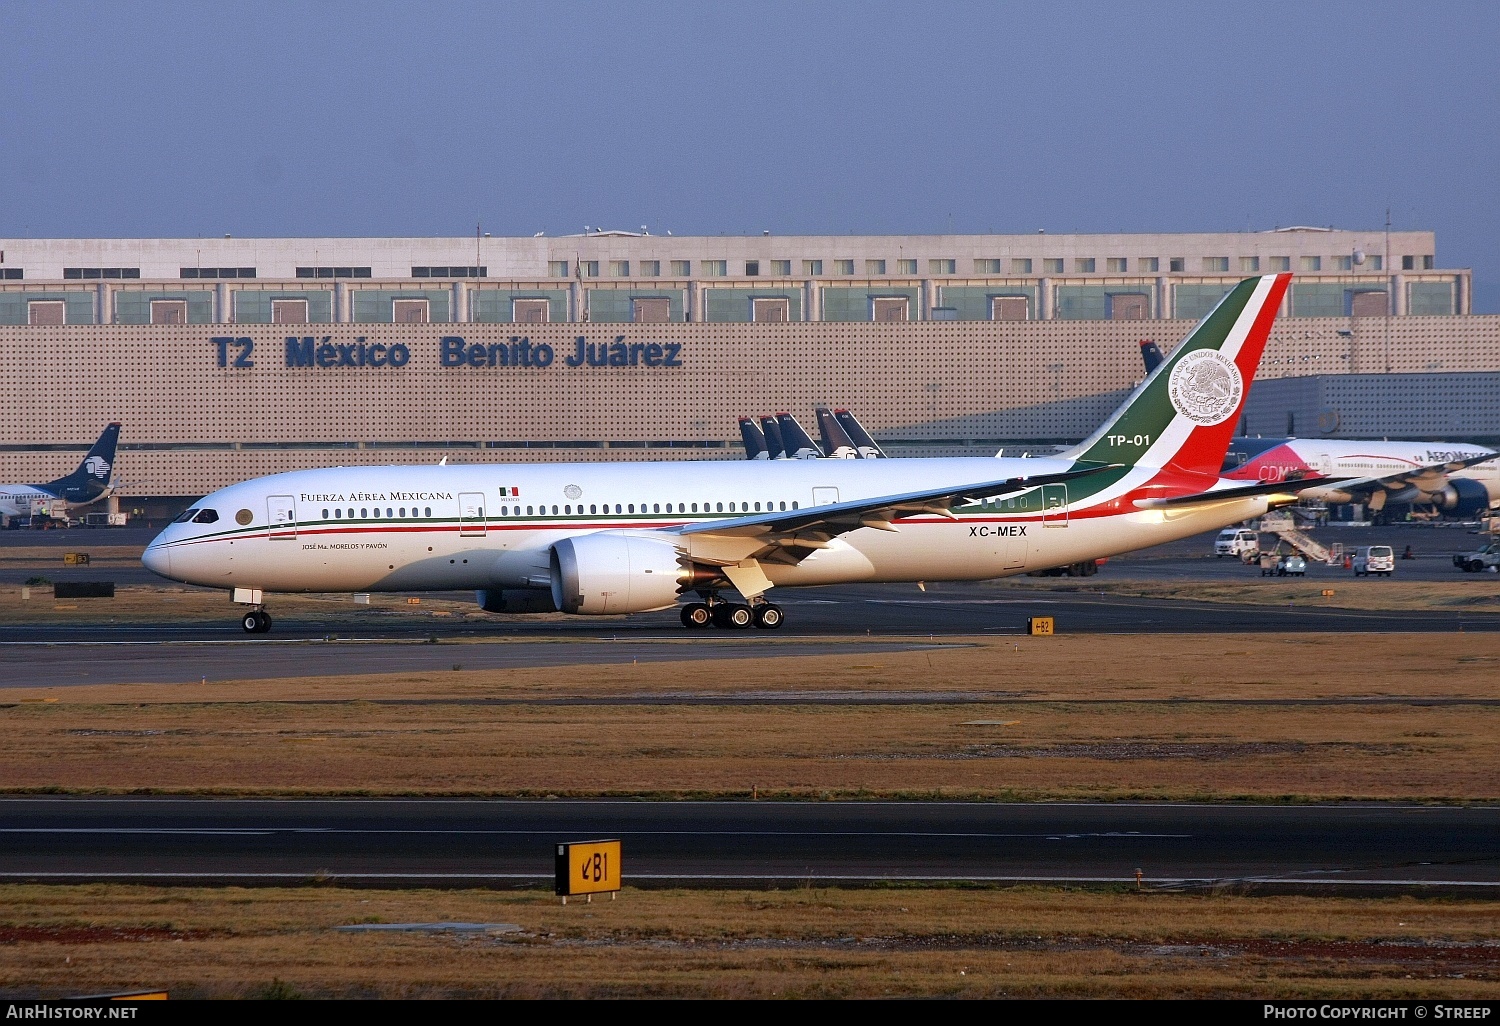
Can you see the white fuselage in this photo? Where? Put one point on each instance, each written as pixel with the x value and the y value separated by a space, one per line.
pixel 1370 459
pixel 413 528
pixel 21 500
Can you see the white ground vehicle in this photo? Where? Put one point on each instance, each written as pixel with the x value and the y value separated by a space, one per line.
pixel 1374 559
pixel 1487 558
pixel 1240 542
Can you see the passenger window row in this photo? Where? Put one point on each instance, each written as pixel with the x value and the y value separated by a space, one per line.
pixel 654 507
pixel 365 513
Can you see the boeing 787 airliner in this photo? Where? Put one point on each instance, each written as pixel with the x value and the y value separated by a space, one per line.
pixel 632 537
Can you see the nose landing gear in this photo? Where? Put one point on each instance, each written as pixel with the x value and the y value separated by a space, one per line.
pixel 257 621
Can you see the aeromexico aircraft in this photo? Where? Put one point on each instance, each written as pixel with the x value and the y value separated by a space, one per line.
pixel 633 537
pixel 1455 478
pixel 90 482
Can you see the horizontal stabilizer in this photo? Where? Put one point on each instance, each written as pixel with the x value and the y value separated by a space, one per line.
pixel 1289 488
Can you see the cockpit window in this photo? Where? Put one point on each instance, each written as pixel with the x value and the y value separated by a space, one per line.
pixel 186 515
pixel 206 516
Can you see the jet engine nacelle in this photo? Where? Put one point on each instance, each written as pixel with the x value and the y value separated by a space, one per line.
pixel 1462 498
pixel 515 600
pixel 601 573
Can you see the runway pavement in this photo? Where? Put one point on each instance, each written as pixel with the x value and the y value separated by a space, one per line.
pixel 465 842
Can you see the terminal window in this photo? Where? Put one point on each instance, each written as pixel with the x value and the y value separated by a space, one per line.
pixel 1312 263
pixel 716 268
pixel 1177 265
pixel 12 273
pixel 812 268
pixel 1250 265
pixel 1117 265
pixel 874 266
pixel 1343 263
pixel 781 268
pixel 1282 263
pixel 771 310
pixel 1215 264
pixel 1148 263
pixel 986 266
pixel 906 266
pixel 216 272
pixel 1009 308
pixel 942 266
pixel 682 268
pixel 288 311
pixel 752 268
pixel 1052 265
pixel 530 311
pixel 1083 265
pixel 333 272
pixel 450 272
pixel 843 267
pixel 46 312
pixel 1020 265
pixel 409 311
pixel 651 310
pixel 557 268
pixel 619 268
pixel 169 311
pixel 101 272
pixel 651 268
pixel 589 268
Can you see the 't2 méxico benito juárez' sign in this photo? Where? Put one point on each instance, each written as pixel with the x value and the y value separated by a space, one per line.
pixel 454 352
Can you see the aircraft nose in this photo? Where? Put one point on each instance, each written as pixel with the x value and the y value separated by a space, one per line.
pixel 158 559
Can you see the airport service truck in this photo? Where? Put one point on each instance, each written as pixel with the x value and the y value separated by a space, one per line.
pixel 1487 558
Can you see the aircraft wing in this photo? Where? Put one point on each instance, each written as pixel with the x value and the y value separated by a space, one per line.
pixel 791 536
pixel 1288 488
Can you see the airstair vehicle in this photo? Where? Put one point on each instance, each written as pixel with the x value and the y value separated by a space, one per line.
pixel 1284 526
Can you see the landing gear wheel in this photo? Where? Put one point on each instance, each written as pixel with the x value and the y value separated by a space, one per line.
pixel 696 614
pixel 768 616
pixel 733 616
pixel 257 621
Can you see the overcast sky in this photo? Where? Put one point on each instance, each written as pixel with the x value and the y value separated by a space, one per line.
pixel 166 119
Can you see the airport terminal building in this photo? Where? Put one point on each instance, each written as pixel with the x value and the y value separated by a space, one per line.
pixel 228 358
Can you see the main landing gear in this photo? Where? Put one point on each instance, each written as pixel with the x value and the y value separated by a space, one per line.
pixel 732 615
pixel 257 621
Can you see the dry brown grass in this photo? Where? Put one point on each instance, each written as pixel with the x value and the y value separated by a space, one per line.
pixel 802 943
pixel 1471 593
pixel 1098 717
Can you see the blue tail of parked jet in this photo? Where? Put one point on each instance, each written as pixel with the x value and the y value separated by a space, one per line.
pixel 774 445
pixel 92 478
pixel 755 441
pixel 794 441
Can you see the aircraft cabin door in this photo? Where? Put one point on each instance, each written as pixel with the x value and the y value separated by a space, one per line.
pixel 825 496
pixel 281 511
pixel 471 522
pixel 1055 505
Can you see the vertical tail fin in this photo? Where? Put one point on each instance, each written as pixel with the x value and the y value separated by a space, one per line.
pixel 856 431
pixel 1184 413
pixel 836 441
pixel 775 447
pixel 92 477
pixel 755 442
pixel 794 441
